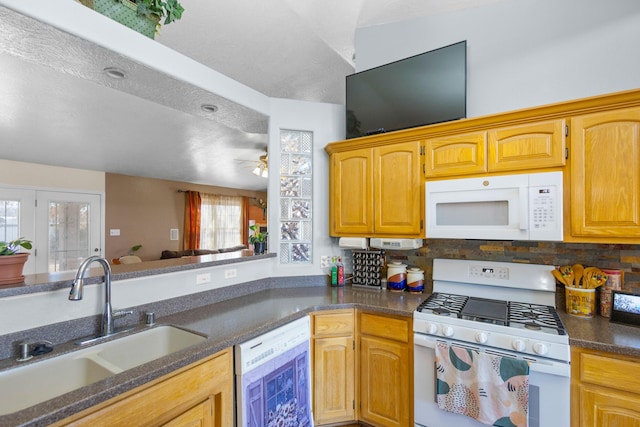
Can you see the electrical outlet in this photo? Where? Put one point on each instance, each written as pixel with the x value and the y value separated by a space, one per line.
pixel 230 273
pixel 203 278
pixel 325 261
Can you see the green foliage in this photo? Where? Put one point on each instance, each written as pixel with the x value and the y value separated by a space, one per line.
pixel 257 236
pixel 134 249
pixel 12 247
pixel 171 10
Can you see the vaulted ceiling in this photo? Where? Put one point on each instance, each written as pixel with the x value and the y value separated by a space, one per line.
pixel 57 110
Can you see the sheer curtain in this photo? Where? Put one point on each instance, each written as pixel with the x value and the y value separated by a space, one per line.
pixel 221 221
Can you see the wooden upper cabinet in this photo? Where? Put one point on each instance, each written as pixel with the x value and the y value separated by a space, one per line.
pixel 531 146
pixel 397 189
pixel 376 191
pixel 351 192
pixel 605 175
pixel 455 155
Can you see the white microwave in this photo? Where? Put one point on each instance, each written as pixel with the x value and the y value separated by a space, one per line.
pixel 506 207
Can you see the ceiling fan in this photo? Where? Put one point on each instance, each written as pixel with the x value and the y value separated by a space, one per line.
pixel 261 167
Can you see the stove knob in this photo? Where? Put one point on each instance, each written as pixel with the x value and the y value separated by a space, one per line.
pixel 518 345
pixel 481 337
pixel 447 331
pixel 431 328
pixel 540 348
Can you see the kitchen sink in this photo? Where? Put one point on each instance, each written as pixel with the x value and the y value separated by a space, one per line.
pixel 134 350
pixel 37 382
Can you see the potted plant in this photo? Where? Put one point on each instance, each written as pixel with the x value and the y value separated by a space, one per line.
pixel 257 239
pixel 12 261
pixel 143 16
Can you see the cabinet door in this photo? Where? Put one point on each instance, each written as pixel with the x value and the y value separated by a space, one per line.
pixel 198 416
pixel 456 155
pixel 398 189
pixel 605 174
pixel 384 382
pixel 351 193
pixel 334 380
pixel 531 146
pixel 607 407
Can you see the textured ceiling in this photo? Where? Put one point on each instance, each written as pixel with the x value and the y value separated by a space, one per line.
pixel 57 107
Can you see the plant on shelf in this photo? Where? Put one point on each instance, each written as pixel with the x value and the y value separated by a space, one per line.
pixel 143 16
pixel 170 10
pixel 12 247
pixel 257 239
pixel 12 261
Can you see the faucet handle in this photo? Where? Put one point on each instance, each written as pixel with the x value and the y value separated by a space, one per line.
pixel 121 313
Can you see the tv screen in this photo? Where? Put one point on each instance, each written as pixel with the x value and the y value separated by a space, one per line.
pixel 420 90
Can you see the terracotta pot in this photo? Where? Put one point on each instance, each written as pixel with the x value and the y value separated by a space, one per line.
pixel 11 268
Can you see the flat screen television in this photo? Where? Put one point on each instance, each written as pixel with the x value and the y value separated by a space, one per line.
pixel 420 90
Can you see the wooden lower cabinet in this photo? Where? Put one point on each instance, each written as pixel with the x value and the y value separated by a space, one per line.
pixel 334 375
pixel 199 395
pixel 605 390
pixel 386 375
pixel 362 371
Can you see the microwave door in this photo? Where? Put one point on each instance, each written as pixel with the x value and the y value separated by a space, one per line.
pixel 492 214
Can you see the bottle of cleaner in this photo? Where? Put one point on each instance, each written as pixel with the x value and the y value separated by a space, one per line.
pixel 340 272
pixel 334 272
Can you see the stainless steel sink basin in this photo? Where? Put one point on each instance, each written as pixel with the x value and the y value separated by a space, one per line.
pixel 37 382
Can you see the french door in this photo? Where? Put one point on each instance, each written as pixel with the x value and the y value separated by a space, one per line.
pixel 65 227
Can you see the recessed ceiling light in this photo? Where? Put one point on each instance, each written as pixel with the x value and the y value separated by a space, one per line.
pixel 208 108
pixel 115 73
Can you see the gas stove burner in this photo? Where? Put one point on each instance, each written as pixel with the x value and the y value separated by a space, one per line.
pixel 530 314
pixel 535 317
pixel 532 326
pixel 443 304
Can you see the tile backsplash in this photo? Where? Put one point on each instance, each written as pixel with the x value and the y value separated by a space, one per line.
pixel 612 256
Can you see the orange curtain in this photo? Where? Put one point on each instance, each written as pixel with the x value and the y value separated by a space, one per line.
pixel 245 221
pixel 192 220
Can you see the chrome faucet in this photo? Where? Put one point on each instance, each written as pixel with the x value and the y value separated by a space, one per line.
pixel 108 315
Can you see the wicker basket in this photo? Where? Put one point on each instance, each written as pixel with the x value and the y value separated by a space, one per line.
pixel 126 13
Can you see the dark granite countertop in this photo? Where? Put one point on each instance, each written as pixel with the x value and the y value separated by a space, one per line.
pixel 239 319
pixel 599 333
pixel 226 323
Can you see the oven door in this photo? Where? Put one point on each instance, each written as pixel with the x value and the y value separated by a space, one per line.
pixel 549 390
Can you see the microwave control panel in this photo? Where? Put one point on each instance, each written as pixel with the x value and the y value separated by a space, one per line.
pixel 543 207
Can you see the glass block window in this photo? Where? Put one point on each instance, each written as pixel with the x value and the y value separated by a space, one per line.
pixel 296 185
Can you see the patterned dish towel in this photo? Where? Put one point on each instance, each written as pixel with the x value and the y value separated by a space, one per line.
pixel 492 389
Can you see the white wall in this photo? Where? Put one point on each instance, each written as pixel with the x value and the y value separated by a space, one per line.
pixel 522 53
pixel 22 312
pixel 326 121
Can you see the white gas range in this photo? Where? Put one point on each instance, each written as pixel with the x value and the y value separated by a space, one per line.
pixel 507 309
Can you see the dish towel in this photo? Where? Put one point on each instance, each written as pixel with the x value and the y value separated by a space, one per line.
pixel 492 389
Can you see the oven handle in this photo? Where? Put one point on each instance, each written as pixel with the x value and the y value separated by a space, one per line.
pixel 543 366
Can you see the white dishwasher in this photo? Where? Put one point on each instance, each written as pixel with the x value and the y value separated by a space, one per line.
pixel 273 378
